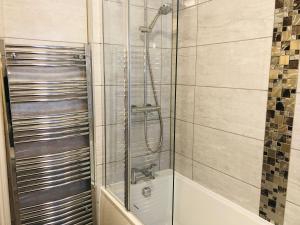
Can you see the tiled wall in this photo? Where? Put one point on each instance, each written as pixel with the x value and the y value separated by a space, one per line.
pixel 59 22
pixel 223 69
pixel 115 32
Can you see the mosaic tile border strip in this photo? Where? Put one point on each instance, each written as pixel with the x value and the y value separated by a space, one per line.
pixel 280 110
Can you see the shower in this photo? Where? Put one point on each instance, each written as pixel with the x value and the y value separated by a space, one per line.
pixel 147 30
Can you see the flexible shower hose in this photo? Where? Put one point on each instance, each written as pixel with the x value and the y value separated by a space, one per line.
pixel 158 147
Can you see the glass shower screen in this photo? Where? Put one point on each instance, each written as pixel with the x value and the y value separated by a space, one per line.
pixel 138 90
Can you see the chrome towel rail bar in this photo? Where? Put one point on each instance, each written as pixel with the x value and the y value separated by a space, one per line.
pixel 69 53
pixel 48 99
pixel 46 65
pixel 50 157
pixel 53 183
pixel 43 47
pixel 68 217
pixel 59 209
pixel 73 165
pixel 48 205
pixel 52 138
pixel 40 79
pixel 64 116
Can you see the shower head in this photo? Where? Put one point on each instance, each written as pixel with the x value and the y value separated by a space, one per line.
pixel 165 9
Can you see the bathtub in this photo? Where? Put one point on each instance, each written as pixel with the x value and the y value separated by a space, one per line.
pixel 193 204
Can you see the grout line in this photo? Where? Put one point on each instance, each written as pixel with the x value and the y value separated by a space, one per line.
pixel 245 182
pixel 32 39
pixel 295 149
pixel 195 5
pixel 226 42
pixel 203 164
pixel 135 5
pixel 135 46
pixel 219 87
pixel 214 128
pixel 293 203
pixel 194 108
pixel 134 157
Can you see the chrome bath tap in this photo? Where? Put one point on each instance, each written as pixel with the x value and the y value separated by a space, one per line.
pixel 146 173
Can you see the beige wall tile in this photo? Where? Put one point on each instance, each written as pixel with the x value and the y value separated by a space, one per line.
pixel 114 22
pixel 186 66
pixel 95 21
pixel 293 192
pixel 165 160
pixel 185 103
pixel 184 138
pixel 234 110
pixel 1 19
pixel 59 20
pixel 98 105
pixel 115 143
pixel 223 20
pixel 184 165
pixel 292 213
pixel 238 156
pixel 165 100
pixel 187 27
pixel 99 144
pixel 166 63
pixel 114 104
pixel 99 176
pixel 97 64
pixel 114 64
pixel 243 194
pixel 242 64
pixel 167 28
pixel 187 3
pixel 296 127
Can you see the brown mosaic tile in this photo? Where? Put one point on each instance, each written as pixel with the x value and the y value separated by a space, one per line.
pixel 280 110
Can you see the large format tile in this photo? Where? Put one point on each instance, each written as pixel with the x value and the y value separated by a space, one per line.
pixel 58 20
pixel 166 66
pixel 234 110
pixel 223 20
pixel 165 160
pixel 239 192
pixel 114 23
pixel 185 102
pixel 296 126
pixel 165 100
pixel 166 31
pixel 292 213
pixel 97 64
pixel 293 192
pixel 99 145
pixel 184 138
pixel 115 143
pixel 114 104
pixel 98 98
pixel 186 66
pixel 1 20
pixel 95 21
pixel 114 64
pixel 244 64
pixel 186 3
pixel 187 27
pixel 184 165
pixel 238 156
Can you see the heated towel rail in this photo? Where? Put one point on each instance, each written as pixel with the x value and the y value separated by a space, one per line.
pixel 48 121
